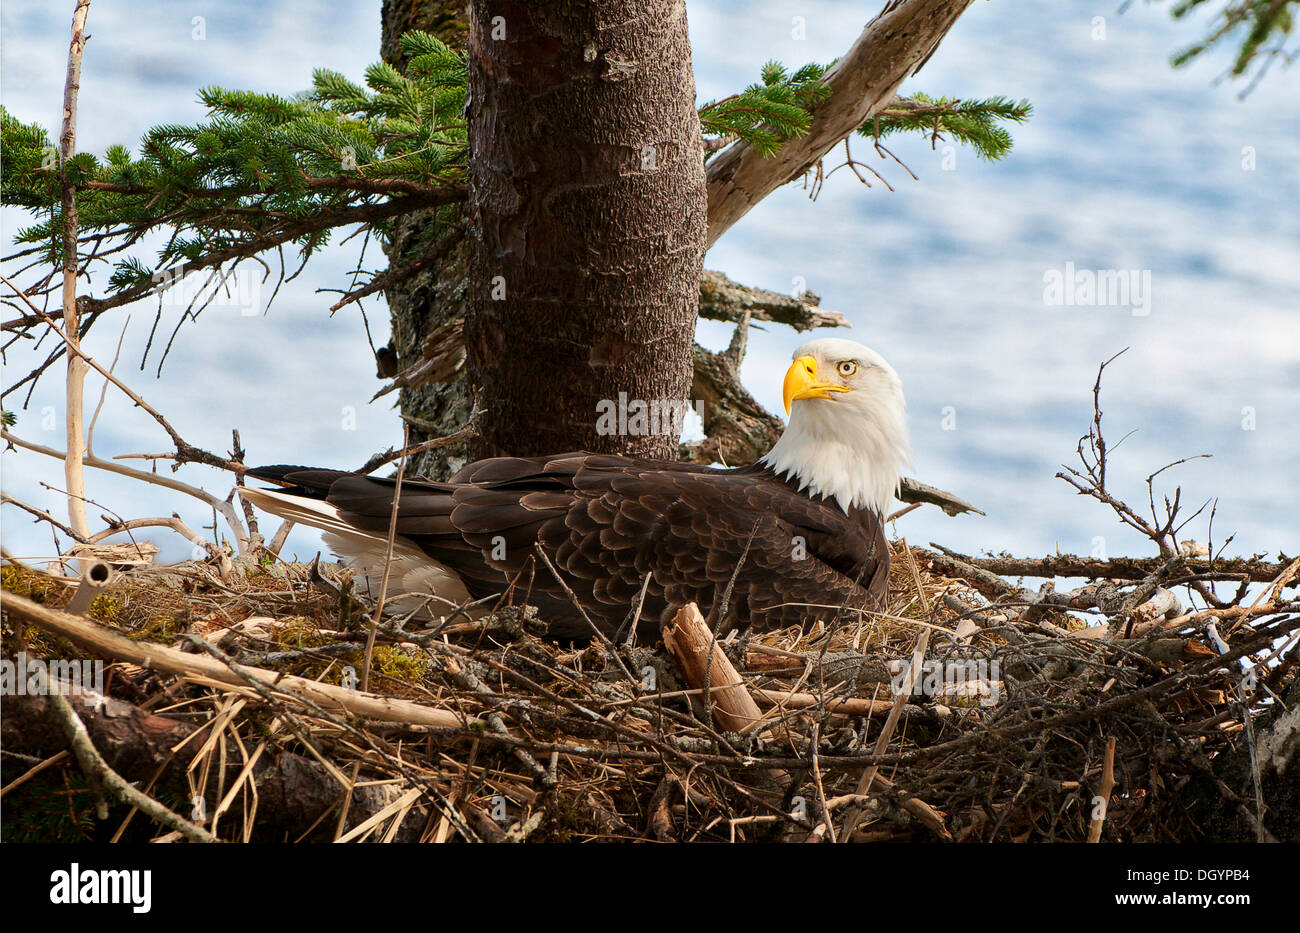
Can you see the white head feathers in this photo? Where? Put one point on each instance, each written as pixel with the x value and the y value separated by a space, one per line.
pixel 847 434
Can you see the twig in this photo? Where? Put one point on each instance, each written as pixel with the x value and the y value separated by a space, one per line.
pixel 44 516
pixel 98 638
pixel 596 630
pixel 97 770
pixel 904 694
pixel 225 508
pixel 388 567
pixel 103 391
pixel 1104 792
pixel 1115 568
pixel 174 523
pixel 465 433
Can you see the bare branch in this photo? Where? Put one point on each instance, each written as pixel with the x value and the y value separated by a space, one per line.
pixel 74 474
pixel 97 771
pixel 185 452
pixel 721 299
pixel 1119 568
pixel 388 456
pixel 225 508
pixel 44 516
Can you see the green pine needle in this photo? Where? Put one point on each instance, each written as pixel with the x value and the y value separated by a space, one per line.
pixel 257 156
pixel 972 122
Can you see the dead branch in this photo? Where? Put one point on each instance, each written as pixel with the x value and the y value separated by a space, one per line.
pixel 74 474
pixel 98 772
pixel 1104 792
pixel 913 673
pixel 918 493
pixel 722 299
pixel 112 645
pixel 44 516
pixel 738 430
pixel 1116 568
pixel 388 456
pixel 1091 481
pixel 185 452
pixel 223 507
pixel 293 791
pixel 705 666
pixel 373 629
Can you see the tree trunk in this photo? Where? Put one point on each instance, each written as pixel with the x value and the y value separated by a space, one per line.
pixel 587 221
pixel 435 296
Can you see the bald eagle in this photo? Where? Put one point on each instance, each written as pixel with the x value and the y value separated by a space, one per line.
pixel 801 531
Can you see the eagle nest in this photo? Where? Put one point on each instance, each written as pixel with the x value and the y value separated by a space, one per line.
pixel 264 703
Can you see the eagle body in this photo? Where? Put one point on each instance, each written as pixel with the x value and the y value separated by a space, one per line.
pixel 605 523
pixel 792 538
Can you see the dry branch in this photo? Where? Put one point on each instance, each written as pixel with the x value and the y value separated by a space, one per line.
pixel 737 429
pixel 721 299
pixel 97 771
pixel 433 443
pixel 869 775
pixel 1116 568
pixel 329 696
pixel 1104 792
pixel 74 475
pixel 292 791
pixel 704 665
pixel 222 506
pixel 845 706
pixel 185 452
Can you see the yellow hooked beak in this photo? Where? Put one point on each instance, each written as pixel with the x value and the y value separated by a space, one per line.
pixel 801 382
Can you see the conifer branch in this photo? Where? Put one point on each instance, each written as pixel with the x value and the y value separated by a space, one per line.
pixel 1262 28
pixel 261 165
pixel 767 115
pixel 862 83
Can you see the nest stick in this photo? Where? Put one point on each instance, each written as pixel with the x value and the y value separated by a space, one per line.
pixel 688 639
pixel 159 657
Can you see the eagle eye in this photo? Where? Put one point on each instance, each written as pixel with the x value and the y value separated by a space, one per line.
pixel 846 368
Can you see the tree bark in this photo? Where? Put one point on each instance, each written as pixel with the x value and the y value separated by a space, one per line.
pixel 432 298
pixel 587 211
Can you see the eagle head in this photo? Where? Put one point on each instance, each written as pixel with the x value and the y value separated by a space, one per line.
pixel 847 434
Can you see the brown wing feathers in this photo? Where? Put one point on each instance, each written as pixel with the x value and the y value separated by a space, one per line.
pixel 605 522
